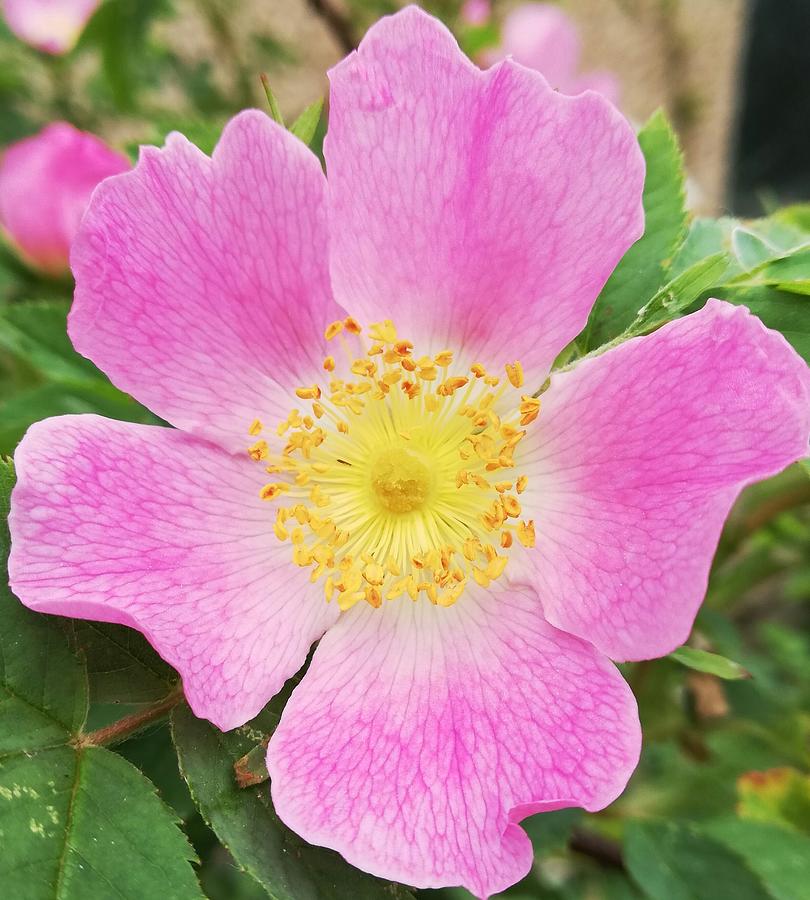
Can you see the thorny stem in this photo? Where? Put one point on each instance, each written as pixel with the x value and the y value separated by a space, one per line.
pixel 124 728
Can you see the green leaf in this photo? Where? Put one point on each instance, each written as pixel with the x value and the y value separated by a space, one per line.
pixel 789 272
pixel 37 332
pixel 750 249
pixel 77 821
pixel 305 125
pixel 677 862
pixel 676 296
pixel 121 665
pixel 779 856
pixel 710 663
pixel 705 238
pixel 85 824
pixel 272 101
pixel 29 405
pixel 245 822
pixel 642 270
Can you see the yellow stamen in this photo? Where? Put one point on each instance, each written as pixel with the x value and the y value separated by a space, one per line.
pixel 332 330
pixel 385 476
pixel 514 372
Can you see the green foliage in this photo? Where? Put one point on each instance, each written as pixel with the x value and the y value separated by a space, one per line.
pixel 669 861
pixel 48 377
pixel 305 126
pixel 642 270
pixel 120 30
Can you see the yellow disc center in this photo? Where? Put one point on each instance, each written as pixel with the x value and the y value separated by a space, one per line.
pixel 400 480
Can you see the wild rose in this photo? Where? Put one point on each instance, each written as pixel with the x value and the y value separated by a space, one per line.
pixel 360 456
pixel 542 37
pixel 52 26
pixel 45 186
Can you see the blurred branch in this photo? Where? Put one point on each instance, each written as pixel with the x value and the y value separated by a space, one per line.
pixel 220 25
pixel 337 22
pixel 600 848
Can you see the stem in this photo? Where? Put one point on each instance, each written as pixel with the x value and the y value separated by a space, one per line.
pixel 336 22
pixel 124 728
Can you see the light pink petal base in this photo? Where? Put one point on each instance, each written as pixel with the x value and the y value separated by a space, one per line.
pixel 202 285
pixel 150 528
pixel 638 456
pixel 480 210
pixel 420 736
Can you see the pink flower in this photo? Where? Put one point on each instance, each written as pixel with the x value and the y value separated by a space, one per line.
pixel 465 211
pixel 52 26
pixel 45 186
pixel 542 37
pixel 475 12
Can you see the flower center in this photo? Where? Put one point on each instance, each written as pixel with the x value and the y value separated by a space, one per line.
pixel 400 480
pixel 400 477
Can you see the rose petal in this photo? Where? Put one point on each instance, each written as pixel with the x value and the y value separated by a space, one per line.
pixel 473 208
pixel 202 285
pixel 638 457
pixel 159 531
pixel 420 736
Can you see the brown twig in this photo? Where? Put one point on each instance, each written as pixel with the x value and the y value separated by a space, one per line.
pixel 124 728
pixel 338 23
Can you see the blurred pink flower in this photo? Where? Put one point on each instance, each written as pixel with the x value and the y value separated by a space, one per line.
pixel 475 12
pixel 53 26
pixel 45 185
pixel 479 561
pixel 542 37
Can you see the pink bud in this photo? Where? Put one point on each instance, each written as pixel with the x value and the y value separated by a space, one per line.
pixel 45 185
pixel 53 26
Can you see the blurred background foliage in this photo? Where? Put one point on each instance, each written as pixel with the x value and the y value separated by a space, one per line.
pixel 720 805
